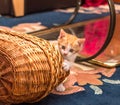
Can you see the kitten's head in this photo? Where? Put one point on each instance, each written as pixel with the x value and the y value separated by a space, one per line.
pixel 69 44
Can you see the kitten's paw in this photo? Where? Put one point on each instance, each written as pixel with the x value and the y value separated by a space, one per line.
pixel 66 65
pixel 60 88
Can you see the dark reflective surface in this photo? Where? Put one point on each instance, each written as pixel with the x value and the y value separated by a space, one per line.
pixel 111 55
pixel 95 33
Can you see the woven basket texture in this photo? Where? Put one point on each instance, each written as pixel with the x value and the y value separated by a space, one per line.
pixel 30 67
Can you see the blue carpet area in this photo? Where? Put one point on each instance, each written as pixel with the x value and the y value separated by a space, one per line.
pixel 48 18
pixel 110 96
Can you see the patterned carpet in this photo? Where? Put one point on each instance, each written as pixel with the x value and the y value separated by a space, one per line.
pixel 87 84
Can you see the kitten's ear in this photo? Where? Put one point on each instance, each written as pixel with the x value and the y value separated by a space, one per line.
pixel 62 34
pixel 81 41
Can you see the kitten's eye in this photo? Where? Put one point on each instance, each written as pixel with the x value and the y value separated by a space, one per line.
pixel 71 50
pixel 63 47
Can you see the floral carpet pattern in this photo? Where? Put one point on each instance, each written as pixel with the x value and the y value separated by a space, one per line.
pixel 78 78
pixel 92 10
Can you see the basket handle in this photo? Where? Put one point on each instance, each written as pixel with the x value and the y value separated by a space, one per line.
pixel 79 2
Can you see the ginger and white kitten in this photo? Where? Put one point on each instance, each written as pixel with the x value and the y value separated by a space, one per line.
pixel 69 46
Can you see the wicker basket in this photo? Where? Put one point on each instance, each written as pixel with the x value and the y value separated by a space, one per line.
pixel 30 68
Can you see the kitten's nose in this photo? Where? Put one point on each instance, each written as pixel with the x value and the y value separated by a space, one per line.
pixel 65 54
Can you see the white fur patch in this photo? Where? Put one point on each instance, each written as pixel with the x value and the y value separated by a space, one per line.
pixel 60 88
